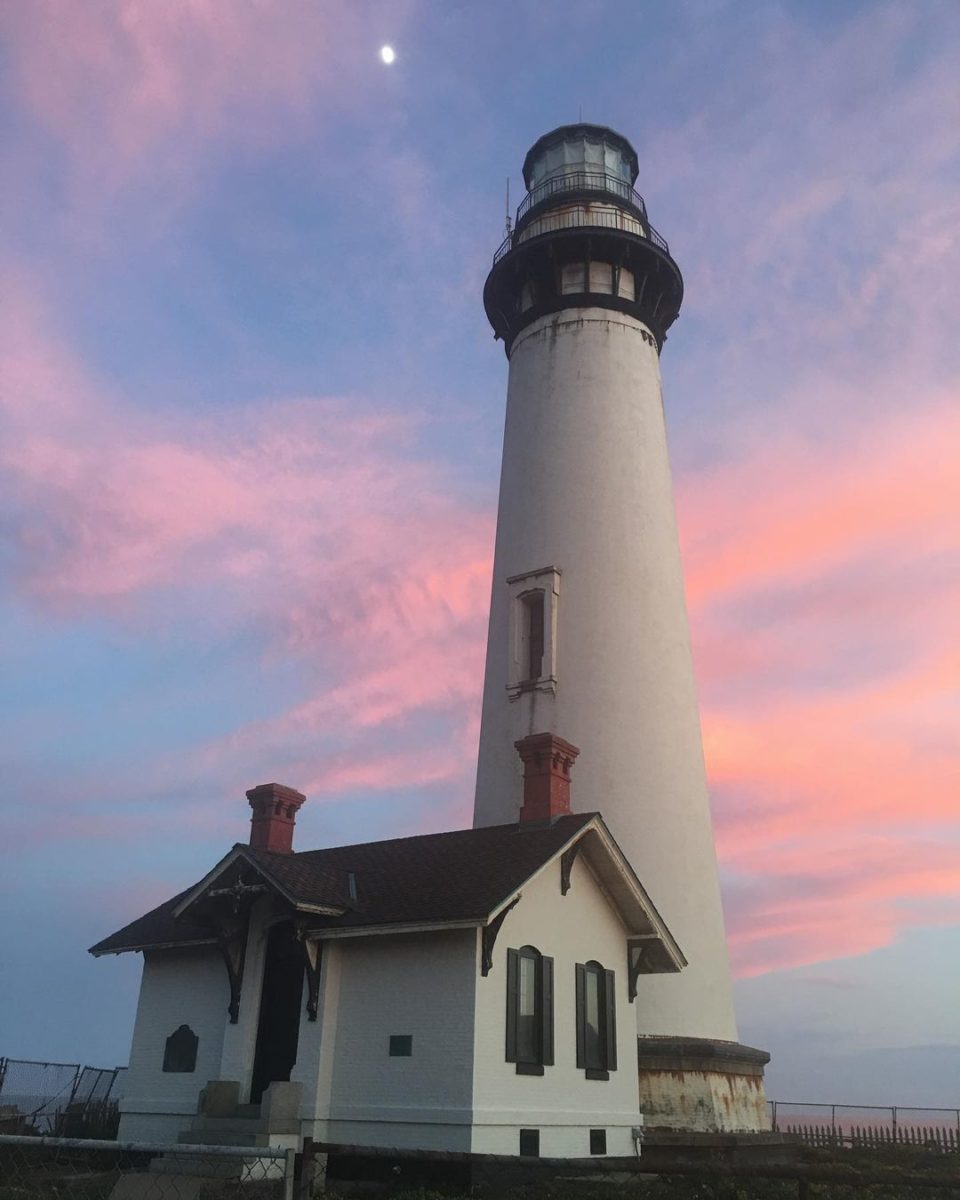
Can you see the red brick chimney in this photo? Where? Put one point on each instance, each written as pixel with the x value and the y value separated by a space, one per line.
pixel 274 813
pixel 547 760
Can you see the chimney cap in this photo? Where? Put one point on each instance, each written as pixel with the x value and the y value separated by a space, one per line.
pixel 276 791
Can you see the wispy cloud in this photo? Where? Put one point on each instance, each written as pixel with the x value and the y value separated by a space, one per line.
pixel 131 91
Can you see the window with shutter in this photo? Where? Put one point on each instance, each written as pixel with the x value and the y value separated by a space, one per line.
pixel 529 1024
pixel 596 1020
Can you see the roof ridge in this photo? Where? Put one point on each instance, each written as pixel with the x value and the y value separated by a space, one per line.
pixel 418 837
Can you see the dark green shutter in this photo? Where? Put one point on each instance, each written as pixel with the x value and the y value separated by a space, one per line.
pixel 513 1003
pixel 610 997
pixel 581 1016
pixel 546 1011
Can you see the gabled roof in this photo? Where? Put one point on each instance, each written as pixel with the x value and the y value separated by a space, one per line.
pixel 435 878
pixel 463 877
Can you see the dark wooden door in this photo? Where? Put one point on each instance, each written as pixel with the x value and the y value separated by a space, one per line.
pixel 280 1003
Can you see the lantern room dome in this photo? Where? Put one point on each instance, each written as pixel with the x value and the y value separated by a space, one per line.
pixel 575 149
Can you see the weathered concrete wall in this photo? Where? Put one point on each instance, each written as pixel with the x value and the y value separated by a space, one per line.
pixel 704 1102
pixel 702 1085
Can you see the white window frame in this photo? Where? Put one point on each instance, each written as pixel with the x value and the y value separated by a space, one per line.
pixel 547 581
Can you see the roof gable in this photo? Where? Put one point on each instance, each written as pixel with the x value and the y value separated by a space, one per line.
pixel 462 876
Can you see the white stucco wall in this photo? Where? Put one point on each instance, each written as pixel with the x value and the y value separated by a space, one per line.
pixel 186 987
pixel 422 985
pixel 562 1103
pixel 316 1045
pixel 586 488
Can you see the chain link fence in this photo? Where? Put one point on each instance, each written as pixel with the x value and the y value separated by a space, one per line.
pixel 88 1169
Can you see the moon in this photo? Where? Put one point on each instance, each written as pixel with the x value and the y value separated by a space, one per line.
pixel 387 54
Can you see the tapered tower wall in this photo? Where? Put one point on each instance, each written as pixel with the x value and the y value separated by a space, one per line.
pixel 586 490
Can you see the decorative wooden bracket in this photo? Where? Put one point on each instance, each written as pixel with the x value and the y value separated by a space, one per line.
pixel 636 951
pixel 566 866
pixel 312 957
pixel 489 937
pixel 233 946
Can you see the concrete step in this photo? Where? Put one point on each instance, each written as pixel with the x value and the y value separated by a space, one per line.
pixel 211 1124
pixel 224 1137
pixel 248 1110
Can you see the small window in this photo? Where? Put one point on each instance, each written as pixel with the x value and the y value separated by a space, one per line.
pixel 626 285
pixel 533 631
pixel 533 634
pixel 573 278
pixel 598 1141
pixel 529 1010
pixel 530 1143
pixel 596 1020
pixel 601 277
pixel 180 1051
pixel 401 1045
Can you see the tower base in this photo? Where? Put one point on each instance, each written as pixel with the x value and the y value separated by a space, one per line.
pixel 702 1086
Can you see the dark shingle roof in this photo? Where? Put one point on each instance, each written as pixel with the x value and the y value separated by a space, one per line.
pixel 431 879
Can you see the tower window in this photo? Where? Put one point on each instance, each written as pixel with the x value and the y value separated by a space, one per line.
pixel 596 1020
pixel 533 622
pixel 533 631
pixel 601 277
pixel 573 278
pixel 529 1010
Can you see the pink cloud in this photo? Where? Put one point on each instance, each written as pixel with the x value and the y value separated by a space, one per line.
pixel 824 616
pixel 316 519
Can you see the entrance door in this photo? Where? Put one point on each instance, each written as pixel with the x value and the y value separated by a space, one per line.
pixel 280 1001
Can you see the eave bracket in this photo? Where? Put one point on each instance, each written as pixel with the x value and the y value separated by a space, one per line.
pixel 489 934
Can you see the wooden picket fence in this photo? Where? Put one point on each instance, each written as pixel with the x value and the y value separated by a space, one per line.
pixel 878 1137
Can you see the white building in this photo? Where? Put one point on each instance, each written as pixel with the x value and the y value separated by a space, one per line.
pixel 469 991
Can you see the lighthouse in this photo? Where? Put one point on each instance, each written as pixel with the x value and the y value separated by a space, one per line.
pixel 588 637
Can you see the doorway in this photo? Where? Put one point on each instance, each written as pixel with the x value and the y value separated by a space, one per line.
pixel 278 1029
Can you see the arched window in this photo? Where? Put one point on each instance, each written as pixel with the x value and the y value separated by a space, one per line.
pixel 596 1020
pixel 529 1010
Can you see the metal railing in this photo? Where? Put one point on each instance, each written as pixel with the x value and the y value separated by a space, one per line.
pixel 867 1123
pixel 581 181
pixel 57 1097
pixel 597 220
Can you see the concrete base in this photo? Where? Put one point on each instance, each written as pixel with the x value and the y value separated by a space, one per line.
pixel 698 1085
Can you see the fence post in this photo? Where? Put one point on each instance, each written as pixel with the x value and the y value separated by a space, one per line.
pixel 289 1169
pixel 312 1171
pixel 894 1113
pixel 3 1071
pixel 774 1115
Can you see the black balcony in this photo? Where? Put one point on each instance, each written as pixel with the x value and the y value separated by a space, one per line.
pixel 595 220
pixel 581 181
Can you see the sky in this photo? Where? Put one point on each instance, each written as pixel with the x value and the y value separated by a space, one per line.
pixel 250 424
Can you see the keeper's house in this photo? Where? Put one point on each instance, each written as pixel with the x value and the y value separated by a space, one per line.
pixel 462 991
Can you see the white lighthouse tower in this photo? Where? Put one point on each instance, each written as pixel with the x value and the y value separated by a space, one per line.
pixel 588 635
